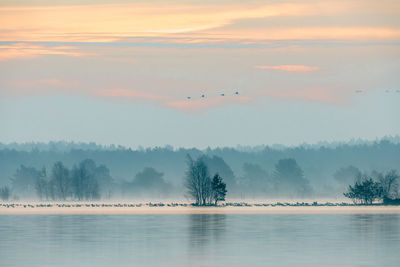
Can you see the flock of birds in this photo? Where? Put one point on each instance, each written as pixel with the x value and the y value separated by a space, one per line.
pixel 204 96
pixel 237 93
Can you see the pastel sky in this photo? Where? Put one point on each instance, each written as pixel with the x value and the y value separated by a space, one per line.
pixel 121 72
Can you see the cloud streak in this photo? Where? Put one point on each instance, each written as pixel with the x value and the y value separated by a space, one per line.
pixel 116 22
pixel 28 51
pixel 288 68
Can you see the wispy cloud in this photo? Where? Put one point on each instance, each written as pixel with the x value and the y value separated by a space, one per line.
pixel 116 22
pixel 288 68
pixel 27 50
pixel 55 86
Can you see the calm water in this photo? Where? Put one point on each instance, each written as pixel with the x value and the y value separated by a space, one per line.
pixel 199 240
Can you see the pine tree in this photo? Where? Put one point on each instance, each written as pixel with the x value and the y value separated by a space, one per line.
pixel 218 189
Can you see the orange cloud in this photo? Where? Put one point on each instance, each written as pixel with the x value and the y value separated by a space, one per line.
pixel 289 68
pixel 110 22
pixel 113 22
pixel 26 51
pixel 342 33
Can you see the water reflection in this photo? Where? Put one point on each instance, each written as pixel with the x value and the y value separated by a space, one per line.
pixel 200 240
pixel 205 228
pixel 366 226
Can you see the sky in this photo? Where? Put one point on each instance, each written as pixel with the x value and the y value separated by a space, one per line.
pixel 121 72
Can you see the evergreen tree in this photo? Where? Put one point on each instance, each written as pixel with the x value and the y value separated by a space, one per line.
pixel 218 189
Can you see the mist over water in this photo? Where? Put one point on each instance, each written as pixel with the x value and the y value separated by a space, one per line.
pixel 200 240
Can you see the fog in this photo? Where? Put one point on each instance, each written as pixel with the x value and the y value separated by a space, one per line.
pixel 68 171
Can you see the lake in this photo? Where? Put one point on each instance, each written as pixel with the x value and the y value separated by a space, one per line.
pixel 200 240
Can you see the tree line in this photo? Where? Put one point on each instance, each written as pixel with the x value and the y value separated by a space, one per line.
pixel 84 181
pixel 206 180
pixel 247 171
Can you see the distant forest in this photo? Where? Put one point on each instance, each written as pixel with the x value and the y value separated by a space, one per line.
pixel 307 171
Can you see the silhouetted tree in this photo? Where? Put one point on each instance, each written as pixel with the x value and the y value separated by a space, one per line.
pixel 5 193
pixel 198 182
pixel 84 183
pixel 106 182
pixel 61 181
pixel 364 191
pixel 42 185
pixel 218 189
pixel 389 184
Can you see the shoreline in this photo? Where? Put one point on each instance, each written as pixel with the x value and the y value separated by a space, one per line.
pixel 160 208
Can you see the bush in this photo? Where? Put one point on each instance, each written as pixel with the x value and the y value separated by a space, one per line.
pixel 365 191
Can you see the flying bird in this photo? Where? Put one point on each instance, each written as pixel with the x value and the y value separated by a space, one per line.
pixel 222 94
pixel 359 91
pixel 188 97
pixel 236 93
pixel 203 96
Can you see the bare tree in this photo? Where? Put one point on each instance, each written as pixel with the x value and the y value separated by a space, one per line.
pixel 198 182
pixel 389 184
pixel 61 180
pixel 84 182
pixel 42 185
